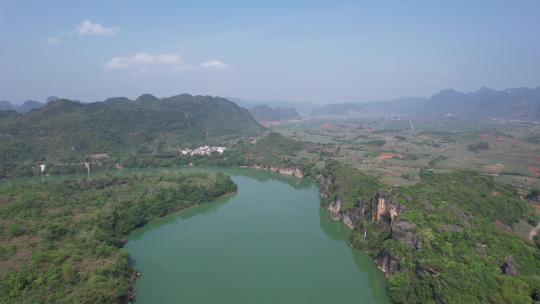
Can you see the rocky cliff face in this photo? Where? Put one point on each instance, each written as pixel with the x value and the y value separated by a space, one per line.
pixel 405 232
pixel 293 171
pixel 349 217
pixel 380 212
pixel 385 211
pixel 509 267
pixel 387 263
pixel 379 209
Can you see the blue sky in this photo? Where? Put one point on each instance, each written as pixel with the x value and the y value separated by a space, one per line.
pixel 322 51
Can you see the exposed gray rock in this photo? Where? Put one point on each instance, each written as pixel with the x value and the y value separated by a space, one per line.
pixel 335 206
pixel 384 211
pixel 510 267
pixel 387 263
pixel 450 228
pixel 352 217
pixel 402 231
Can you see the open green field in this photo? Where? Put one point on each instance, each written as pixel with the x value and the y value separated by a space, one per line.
pixel 396 149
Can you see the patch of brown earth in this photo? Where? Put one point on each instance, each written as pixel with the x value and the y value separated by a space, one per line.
pixel 496 168
pixel 389 156
pixel 503 226
pixel 327 126
pixel 534 170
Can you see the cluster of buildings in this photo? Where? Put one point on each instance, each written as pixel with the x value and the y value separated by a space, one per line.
pixel 206 150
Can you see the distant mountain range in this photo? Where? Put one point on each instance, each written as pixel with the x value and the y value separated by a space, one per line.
pixel 303 108
pixel 517 103
pixel 65 128
pixel 266 113
pixel 26 106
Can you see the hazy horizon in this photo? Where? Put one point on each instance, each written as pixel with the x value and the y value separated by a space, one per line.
pixel 260 101
pixel 315 51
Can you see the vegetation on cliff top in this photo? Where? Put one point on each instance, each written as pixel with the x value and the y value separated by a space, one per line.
pixel 273 150
pixel 459 231
pixel 60 240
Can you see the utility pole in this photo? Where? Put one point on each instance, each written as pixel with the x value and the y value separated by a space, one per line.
pixel 87 166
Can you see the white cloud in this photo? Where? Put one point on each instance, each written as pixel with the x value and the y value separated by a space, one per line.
pixel 54 41
pixel 214 64
pixel 145 61
pixel 87 27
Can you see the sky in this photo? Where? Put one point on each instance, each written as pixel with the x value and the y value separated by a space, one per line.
pixel 320 51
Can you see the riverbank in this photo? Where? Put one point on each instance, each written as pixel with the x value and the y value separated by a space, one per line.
pixel 271 242
pixel 434 239
pixel 61 239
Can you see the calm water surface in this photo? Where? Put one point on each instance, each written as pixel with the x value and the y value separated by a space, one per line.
pixel 269 243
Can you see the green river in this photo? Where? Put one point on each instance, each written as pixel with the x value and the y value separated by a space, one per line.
pixel 271 242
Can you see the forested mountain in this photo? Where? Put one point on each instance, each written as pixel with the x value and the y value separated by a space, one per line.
pixel 266 113
pixel 26 107
pixel 517 103
pixel 303 107
pixel 5 105
pixel 65 129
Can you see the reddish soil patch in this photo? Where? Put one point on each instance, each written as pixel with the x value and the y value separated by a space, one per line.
pixel 486 137
pixel 327 126
pixel 389 156
pixel 497 168
pixel 534 170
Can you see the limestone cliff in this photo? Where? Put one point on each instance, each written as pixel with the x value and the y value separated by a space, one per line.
pixel 385 211
pixel 387 263
pixel 379 209
pixel 369 210
pixel 293 171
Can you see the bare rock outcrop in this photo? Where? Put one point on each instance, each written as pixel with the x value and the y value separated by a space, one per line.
pixel 384 210
pixel 349 217
pixel 290 171
pixel 450 228
pixel 387 263
pixel 509 266
pixel 402 231
pixel 335 206
pixel 293 171
pixel 352 217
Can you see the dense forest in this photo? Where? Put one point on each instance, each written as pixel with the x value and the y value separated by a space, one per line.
pixel 61 239
pixel 65 131
pixel 451 238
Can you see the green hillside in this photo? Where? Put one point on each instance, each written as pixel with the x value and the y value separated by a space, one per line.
pixel 66 130
pixel 451 238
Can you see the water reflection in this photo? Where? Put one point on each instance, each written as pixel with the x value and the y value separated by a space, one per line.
pixel 190 212
pixel 258 175
pixel 336 230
